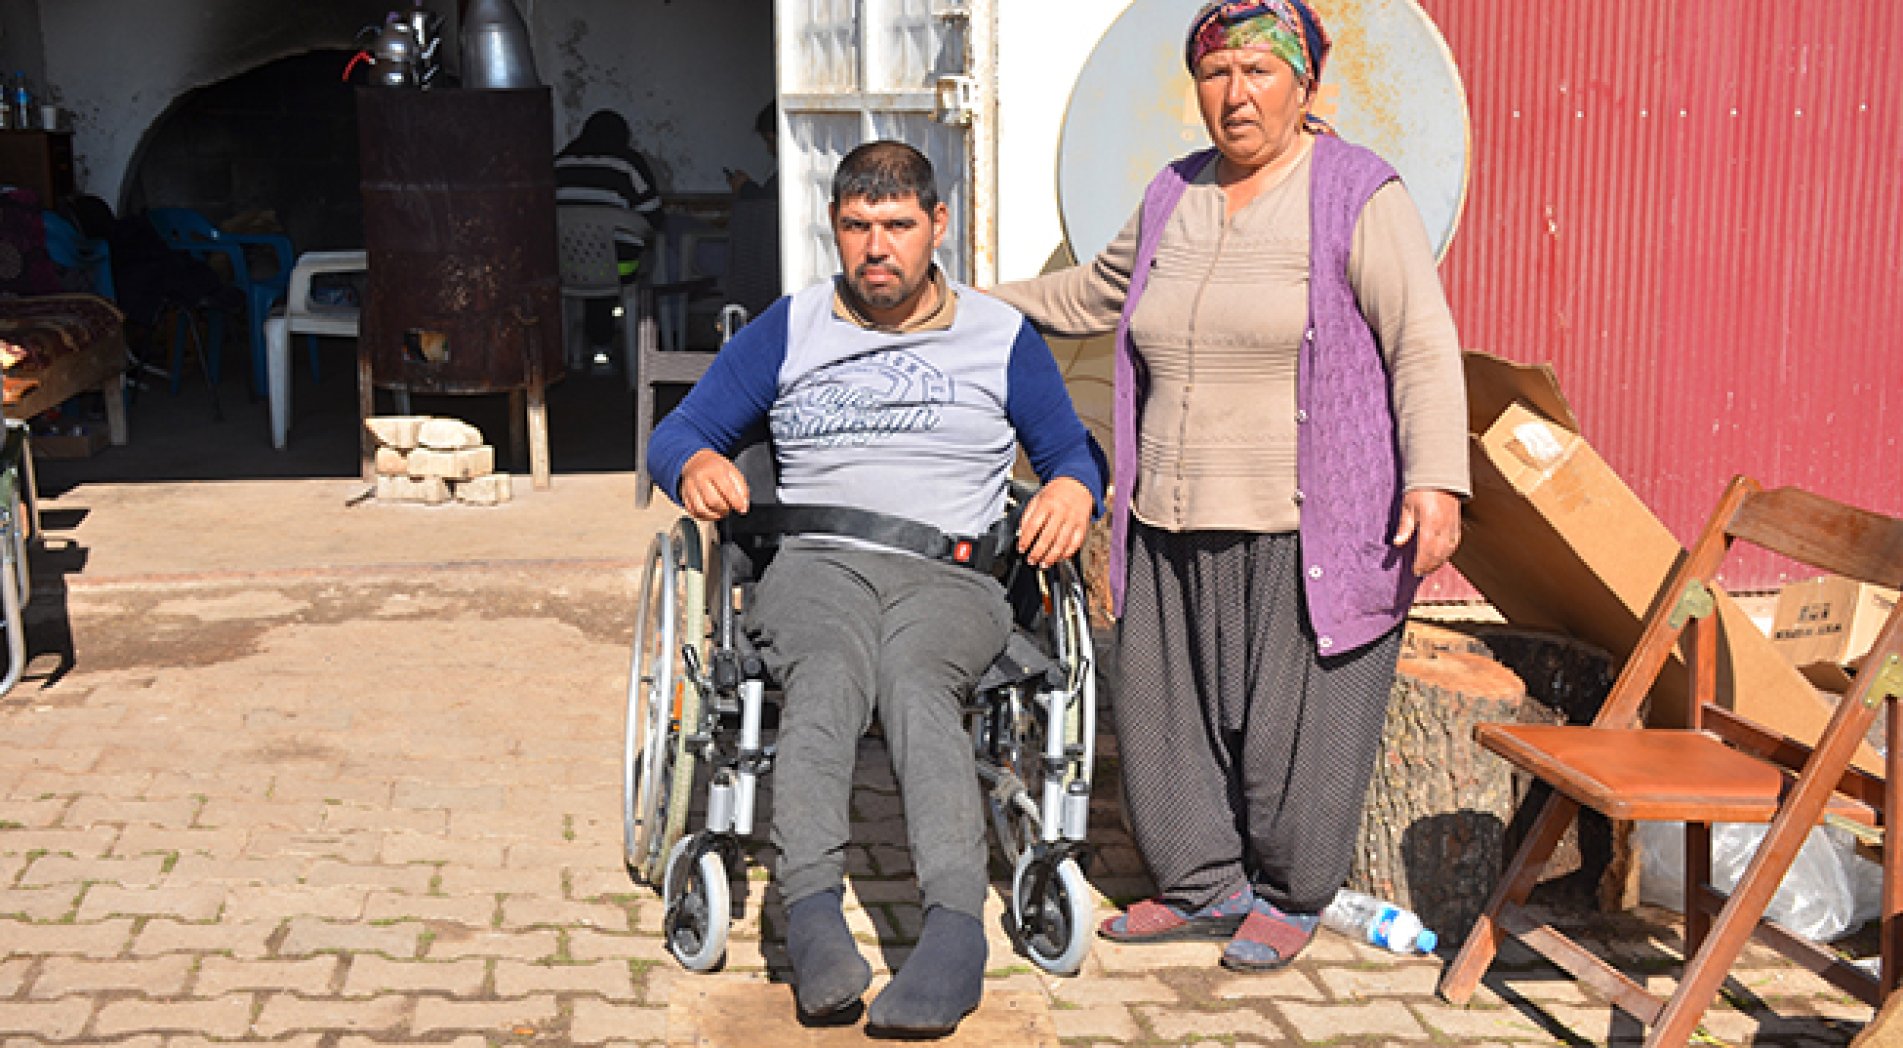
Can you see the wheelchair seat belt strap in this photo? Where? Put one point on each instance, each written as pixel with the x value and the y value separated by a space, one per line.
pixel 980 552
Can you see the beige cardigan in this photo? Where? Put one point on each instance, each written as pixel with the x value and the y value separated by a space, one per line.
pixel 1218 330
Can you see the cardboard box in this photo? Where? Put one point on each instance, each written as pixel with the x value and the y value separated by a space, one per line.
pixel 1557 541
pixel 1826 624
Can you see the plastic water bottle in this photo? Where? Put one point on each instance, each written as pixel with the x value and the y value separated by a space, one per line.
pixel 22 101
pixel 1384 924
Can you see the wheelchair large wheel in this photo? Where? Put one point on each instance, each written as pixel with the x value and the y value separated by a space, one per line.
pixel 698 916
pixel 1051 910
pixel 663 705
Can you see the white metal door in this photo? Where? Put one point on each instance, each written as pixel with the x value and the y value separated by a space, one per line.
pixel 854 70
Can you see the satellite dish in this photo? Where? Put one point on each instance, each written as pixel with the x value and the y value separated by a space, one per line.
pixel 1389 84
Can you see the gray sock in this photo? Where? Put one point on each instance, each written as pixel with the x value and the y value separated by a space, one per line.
pixel 828 972
pixel 943 980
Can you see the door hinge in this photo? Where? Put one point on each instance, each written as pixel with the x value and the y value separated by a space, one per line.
pixel 957 99
pixel 1695 603
pixel 1889 681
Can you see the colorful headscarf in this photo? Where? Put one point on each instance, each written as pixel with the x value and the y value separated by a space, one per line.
pixel 1287 28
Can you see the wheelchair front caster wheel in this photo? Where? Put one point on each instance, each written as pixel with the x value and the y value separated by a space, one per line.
pixel 697 917
pixel 1051 910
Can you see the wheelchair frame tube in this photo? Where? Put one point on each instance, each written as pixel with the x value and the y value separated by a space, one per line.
pixel 19 521
pixel 720 802
pixel 11 573
pixel 752 700
pixel 1066 801
pixel 1051 805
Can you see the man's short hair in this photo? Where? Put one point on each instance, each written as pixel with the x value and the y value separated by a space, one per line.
pixel 885 170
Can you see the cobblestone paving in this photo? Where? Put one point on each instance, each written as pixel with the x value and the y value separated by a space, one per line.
pixel 384 810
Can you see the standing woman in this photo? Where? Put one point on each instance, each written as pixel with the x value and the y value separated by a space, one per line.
pixel 1291 443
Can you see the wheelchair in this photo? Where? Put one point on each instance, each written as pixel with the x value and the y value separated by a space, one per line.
pixel 701 709
pixel 19 524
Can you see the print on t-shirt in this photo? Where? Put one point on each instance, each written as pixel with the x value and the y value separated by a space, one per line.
pixel 863 400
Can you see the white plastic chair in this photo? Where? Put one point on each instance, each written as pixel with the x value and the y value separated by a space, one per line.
pixel 586 254
pixel 300 316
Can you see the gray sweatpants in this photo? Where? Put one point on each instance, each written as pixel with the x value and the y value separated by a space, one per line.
pixel 1246 755
pixel 848 632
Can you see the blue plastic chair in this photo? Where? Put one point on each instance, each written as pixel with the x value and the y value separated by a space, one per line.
pixel 70 249
pixel 187 230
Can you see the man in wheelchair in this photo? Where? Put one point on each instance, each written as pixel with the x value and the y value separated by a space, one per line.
pixel 889 389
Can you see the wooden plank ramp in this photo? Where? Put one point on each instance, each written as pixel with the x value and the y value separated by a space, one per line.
pixel 1886 1029
pixel 719 1012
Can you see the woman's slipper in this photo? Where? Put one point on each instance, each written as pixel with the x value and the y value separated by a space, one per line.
pixel 1269 939
pixel 1153 920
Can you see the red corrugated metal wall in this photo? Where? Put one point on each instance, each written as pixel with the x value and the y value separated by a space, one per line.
pixel 1693 211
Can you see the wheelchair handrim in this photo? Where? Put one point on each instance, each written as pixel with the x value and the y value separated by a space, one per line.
pixel 649 680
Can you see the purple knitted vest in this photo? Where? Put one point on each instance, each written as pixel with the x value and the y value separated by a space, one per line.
pixel 1347 453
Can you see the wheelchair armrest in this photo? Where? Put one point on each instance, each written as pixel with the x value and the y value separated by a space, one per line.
pixel 1019 663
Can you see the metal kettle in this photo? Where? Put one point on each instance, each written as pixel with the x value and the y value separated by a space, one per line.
pixel 496 47
pixel 394 55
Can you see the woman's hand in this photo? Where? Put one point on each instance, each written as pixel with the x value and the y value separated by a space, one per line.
pixel 712 487
pixel 1055 522
pixel 1433 518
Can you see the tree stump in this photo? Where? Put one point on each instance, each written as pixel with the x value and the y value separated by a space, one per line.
pixel 1434 829
pixel 1440 821
pixel 1571 679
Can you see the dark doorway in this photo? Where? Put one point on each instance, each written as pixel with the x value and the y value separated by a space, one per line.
pixel 281 138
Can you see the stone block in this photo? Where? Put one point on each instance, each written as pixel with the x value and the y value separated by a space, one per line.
pixel 609 979
pixel 435 1015
pixel 242 940
pixel 224 1018
pixel 392 462
pixel 371 975
pixel 196 902
pixel 598 1021
pixel 458 943
pixel 218 976
pixel 1385 1019
pixel 460 464
pixel 492 490
pixel 308 936
pixel 155 976
pixel 396 431
pixel 286 1013
pixel 54 1020
pixel 448 434
pixel 431 491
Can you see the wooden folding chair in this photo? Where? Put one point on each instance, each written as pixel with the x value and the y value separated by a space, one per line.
pixel 1723 768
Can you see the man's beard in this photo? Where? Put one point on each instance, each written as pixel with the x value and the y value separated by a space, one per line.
pixel 888 297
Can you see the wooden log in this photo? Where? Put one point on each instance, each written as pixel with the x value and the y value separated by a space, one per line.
pixel 1571 679
pixel 1443 814
pixel 1433 833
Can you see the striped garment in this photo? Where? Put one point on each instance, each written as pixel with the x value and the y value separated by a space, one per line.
pixel 592 178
